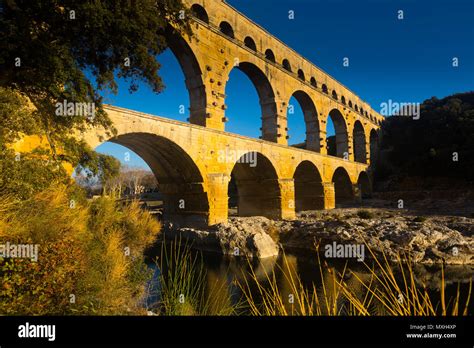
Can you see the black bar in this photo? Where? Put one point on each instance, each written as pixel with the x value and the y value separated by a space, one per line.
pixel 242 331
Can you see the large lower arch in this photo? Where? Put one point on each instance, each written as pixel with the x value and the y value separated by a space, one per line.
pixel 255 186
pixel 342 186
pixel 359 143
pixel 266 97
pixel 340 145
pixel 309 192
pixel 374 146
pixel 179 179
pixel 193 76
pixel 311 120
pixel 365 187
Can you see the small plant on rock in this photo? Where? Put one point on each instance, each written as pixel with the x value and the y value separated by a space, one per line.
pixel 365 214
pixel 419 219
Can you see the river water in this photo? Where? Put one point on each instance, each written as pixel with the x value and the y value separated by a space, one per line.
pixel 222 282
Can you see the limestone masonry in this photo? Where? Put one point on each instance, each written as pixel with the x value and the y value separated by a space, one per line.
pixel 187 157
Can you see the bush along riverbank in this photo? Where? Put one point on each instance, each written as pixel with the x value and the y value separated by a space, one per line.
pixel 71 256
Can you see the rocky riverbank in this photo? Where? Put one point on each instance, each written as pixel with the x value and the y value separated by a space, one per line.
pixel 427 239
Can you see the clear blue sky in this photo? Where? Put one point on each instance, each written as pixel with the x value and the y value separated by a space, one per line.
pixel 406 60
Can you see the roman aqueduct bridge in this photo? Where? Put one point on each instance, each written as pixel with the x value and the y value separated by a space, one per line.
pixel 195 163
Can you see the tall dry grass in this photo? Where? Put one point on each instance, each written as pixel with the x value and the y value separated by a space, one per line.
pixel 287 295
pixel 187 287
pixel 378 291
pixel 402 295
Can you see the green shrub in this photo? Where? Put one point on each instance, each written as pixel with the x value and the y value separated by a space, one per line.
pixel 83 251
pixel 187 287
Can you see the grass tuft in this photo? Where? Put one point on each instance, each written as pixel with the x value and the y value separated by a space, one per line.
pixel 187 288
pixel 419 219
pixel 365 214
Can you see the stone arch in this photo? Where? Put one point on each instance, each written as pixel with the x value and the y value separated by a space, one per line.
pixel 359 143
pixel 301 75
pixel 180 180
pixel 343 100
pixel 270 55
pixel 200 13
pixel 193 75
pixel 256 185
pixel 356 108
pixel 226 29
pixel 265 93
pixel 350 103
pixel 250 43
pixel 311 120
pixel 374 145
pixel 340 146
pixel 286 65
pixel 313 82
pixel 334 94
pixel 342 186
pixel 309 192
pixel 325 88
pixel 365 186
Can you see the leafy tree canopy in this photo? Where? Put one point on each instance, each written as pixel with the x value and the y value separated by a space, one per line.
pixel 56 51
pixel 439 144
pixel 48 44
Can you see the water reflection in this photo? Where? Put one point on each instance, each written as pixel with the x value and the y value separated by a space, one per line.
pixel 226 278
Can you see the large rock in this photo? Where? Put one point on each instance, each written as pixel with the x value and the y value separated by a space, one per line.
pixel 239 237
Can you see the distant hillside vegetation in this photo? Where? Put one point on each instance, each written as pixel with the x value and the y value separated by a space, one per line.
pixel 425 149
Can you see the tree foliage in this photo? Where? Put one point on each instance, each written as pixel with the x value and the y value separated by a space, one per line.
pixel 48 45
pixel 439 144
pixel 68 51
pixel 26 173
